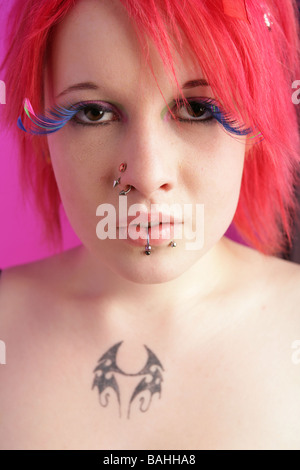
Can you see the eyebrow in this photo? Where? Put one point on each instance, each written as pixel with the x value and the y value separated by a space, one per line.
pixel 93 86
pixel 195 83
pixel 79 86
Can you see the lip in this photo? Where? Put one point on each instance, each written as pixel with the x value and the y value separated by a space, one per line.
pixel 158 235
pixel 151 217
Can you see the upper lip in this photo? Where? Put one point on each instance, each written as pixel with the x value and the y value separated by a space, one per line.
pixel 152 218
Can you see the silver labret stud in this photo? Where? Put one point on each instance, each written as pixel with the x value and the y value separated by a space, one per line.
pixel 148 247
pixel 173 244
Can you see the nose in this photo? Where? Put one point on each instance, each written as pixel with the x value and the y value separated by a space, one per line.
pixel 152 160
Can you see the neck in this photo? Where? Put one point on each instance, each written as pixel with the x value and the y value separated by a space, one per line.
pixel 204 279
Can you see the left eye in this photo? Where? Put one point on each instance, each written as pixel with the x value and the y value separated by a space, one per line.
pixel 194 111
pixel 94 113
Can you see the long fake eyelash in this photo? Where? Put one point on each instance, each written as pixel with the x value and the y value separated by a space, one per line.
pixel 40 125
pixel 57 117
pixel 229 124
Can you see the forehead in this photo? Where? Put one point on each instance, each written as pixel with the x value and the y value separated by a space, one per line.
pixel 97 41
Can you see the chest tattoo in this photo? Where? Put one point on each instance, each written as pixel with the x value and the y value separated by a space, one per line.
pixel 107 374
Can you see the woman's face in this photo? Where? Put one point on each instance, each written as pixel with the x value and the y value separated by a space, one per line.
pixel 186 163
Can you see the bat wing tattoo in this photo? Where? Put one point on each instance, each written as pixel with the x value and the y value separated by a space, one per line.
pixel 152 370
pixel 105 378
pixel 107 370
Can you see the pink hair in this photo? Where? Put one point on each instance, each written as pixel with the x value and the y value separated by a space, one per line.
pixel 247 66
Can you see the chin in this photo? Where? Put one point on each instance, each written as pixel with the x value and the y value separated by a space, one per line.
pixel 163 265
pixel 153 277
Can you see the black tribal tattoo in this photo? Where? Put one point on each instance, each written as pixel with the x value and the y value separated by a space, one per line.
pixel 106 377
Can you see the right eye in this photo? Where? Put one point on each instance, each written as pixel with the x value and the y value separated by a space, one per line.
pixel 94 114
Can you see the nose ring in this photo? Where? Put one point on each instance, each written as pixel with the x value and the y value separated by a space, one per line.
pixel 122 169
pixel 125 191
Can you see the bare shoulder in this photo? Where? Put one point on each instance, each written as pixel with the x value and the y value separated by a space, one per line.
pixel 273 286
pixel 278 278
pixel 271 338
pixel 29 291
pixel 34 279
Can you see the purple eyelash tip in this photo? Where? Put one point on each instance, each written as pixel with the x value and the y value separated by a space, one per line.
pixel 20 124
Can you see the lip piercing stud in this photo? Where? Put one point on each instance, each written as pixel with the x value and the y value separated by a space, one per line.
pixel 148 247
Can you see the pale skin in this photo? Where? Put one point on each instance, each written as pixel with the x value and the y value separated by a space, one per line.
pixel 221 319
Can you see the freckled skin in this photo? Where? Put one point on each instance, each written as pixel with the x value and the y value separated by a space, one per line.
pixel 167 163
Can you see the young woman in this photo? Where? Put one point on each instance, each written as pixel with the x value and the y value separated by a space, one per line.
pixel 163 334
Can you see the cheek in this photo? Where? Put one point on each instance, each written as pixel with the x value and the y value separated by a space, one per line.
pixel 224 181
pixel 223 188
pixel 215 180
pixel 82 183
pixel 76 165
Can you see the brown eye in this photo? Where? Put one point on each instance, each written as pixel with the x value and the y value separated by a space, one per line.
pixel 196 109
pixel 94 114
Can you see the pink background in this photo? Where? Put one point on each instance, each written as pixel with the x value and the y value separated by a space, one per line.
pixel 20 235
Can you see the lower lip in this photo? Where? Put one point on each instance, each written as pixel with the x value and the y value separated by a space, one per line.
pixel 158 235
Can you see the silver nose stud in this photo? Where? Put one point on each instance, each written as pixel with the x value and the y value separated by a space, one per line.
pixel 122 169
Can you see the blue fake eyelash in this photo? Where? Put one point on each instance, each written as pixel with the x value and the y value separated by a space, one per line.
pixel 59 116
pixel 56 117
pixel 229 124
